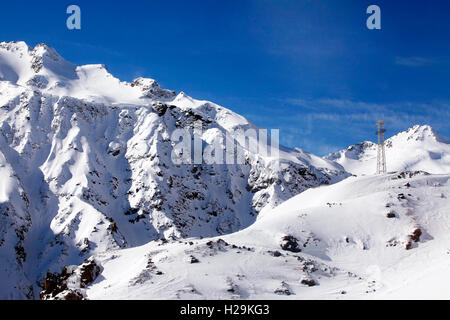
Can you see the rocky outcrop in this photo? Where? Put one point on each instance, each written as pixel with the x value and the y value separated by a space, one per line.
pixel 69 283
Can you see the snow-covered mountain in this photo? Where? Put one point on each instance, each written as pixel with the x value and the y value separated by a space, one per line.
pixel 418 148
pixel 370 237
pixel 85 164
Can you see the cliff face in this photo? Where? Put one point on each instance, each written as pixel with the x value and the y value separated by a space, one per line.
pixel 86 166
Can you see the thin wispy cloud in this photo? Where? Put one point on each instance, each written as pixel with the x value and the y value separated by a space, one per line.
pixel 303 103
pixel 414 61
pixel 343 105
pixel 310 123
pixel 313 123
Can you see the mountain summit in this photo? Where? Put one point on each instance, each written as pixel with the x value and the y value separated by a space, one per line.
pixel 42 68
pixel 418 148
pixel 86 167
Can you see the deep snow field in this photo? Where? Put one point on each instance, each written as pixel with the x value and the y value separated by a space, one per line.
pixel 342 245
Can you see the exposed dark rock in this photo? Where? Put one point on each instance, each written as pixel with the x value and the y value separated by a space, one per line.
pixel 276 253
pixel 401 196
pixel 160 108
pixel 416 235
pixel 308 282
pixel 71 295
pixel 194 260
pixel 283 290
pixel 55 285
pixel 222 242
pixel 409 174
pixel 408 245
pixel 114 227
pixel 116 153
pixel 391 214
pixel 290 243
pixel 88 273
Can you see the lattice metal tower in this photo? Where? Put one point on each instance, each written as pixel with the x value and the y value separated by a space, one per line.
pixel 381 156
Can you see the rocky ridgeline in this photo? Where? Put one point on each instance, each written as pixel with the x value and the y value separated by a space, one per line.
pixel 93 173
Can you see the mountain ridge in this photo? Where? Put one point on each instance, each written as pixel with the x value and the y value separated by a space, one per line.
pixel 89 188
pixel 417 148
pixel 93 157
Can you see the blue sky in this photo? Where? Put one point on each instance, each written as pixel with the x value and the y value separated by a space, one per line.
pixel 310 68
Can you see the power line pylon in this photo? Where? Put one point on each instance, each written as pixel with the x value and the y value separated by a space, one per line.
pixel 381 156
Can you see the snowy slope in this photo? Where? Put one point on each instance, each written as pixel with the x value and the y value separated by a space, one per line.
pixel 326 243
pixel 15 222
pixel 92 157
pixel 418 148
